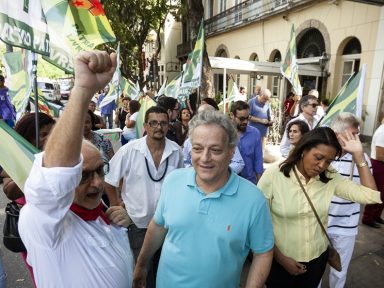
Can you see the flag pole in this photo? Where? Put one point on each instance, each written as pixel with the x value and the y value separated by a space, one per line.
pixel 34 77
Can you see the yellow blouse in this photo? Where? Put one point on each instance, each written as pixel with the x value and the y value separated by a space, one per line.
pixel 297 233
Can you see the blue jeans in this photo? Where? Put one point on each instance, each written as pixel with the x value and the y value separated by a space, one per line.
pixel 108 119
pixel 3 275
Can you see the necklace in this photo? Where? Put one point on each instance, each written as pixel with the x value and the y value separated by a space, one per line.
pixel 150 175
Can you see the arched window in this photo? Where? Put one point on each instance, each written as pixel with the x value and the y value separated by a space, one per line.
pixel 310 44
pixel 350 59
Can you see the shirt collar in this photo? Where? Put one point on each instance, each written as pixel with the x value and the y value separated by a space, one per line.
pixel 230 188
pixel 301 177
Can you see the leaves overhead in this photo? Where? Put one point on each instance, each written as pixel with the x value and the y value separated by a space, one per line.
pixel 132 20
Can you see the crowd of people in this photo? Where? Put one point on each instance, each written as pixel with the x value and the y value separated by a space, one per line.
pixel 189 202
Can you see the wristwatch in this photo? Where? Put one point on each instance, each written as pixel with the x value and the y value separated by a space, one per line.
pixel 362 164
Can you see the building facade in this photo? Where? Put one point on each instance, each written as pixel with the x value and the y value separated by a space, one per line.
pixel 335 36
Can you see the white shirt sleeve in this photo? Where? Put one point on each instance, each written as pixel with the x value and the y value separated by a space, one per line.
pixel 49 193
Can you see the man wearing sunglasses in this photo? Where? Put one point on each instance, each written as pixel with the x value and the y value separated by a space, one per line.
pixel 142 165
pixel 250 143
pixel 308 108
pixel 70 241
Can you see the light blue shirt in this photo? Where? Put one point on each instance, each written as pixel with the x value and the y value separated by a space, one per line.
pixel 237 163
pixel 209 236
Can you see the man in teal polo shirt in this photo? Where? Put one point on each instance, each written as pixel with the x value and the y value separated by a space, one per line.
pixel 208 218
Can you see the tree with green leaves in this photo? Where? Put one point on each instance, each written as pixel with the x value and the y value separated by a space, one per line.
pixel 132 21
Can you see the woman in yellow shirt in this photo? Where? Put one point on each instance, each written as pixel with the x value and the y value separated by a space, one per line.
pixel 300 253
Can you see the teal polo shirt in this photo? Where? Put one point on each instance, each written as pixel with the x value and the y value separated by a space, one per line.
pixel 209 236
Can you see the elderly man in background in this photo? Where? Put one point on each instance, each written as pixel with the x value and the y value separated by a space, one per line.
pixel 214 218
pixel 69 239
pixel 260 113
pixel 343 215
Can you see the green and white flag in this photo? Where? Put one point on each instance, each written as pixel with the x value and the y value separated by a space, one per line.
pixel 22 24
pixel 173 88
pixel 290 68
pixel 232 93
pixel 194 65
pixel 57 29
pixel 114 86
pixel 74 26
pixel 349 98
pixel 17 154
pixel 19 78
pixel 162 89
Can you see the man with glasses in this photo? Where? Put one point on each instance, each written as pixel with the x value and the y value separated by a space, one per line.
pixel 172 107
pixel 70 241
pixel 308 107
pixel 142 165
pixel 250 144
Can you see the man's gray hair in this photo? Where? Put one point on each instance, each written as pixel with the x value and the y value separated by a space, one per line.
pixel 209 117
pixel 304 101
pixel 344 121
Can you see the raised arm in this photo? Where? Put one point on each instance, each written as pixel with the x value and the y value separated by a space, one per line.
pixel 93 70
pixel 351 143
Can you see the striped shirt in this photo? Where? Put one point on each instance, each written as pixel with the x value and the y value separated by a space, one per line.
pixel 343 215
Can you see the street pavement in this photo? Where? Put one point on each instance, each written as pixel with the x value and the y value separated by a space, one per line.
pixel 366 269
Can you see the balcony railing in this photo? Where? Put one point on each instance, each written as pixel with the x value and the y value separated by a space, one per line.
pixel 248 12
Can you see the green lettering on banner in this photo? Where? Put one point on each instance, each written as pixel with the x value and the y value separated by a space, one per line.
pixel 19 34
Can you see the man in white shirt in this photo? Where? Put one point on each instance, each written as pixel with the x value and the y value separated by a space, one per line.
pixel 143 164
pixel 69 239
pixel 308 106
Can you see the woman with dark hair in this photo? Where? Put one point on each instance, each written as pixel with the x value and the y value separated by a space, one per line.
pixel 181 125
pixel 103 144
pixel 295 130
pixel 210 101
pixel 301 253
pixel 129 132
pixel 26 127
pixel 121 113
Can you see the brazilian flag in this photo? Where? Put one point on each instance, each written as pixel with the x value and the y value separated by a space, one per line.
pixel 349 98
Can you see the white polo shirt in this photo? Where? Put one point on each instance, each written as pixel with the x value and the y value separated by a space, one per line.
pixel 377 140
pixel 63 249
pixel 139 192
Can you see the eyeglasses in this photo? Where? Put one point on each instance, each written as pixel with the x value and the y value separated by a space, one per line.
pixel 242 119
pixel 101 171
pixel 314 105
pixel 155 123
